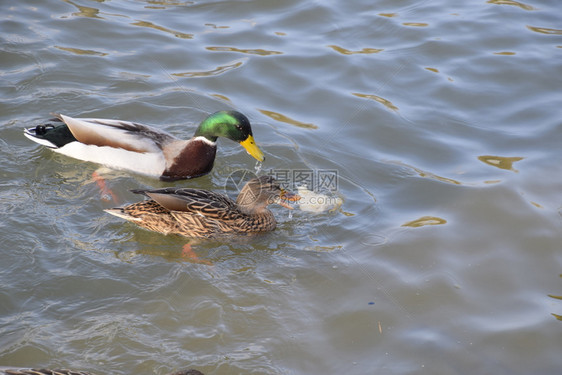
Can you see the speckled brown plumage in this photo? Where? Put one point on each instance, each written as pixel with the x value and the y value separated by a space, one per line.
pixel 205 214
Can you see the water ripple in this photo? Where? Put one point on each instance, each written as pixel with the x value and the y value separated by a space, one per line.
pixel 84 11
pixel 150 25
pixel 283 118
pixel 501 162
pixel 513 3
pixel 425 220
pixel 255 51
pixel 365 51
pixel 387 103
pixel 545 30
pixel 213 72
pixel 79 51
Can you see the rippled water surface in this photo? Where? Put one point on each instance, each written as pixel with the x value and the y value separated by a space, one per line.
pixel 442 120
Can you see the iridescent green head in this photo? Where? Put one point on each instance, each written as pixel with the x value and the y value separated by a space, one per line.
pixel 232 125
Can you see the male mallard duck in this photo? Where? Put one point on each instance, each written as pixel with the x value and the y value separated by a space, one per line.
pixel 7 371
pixel 206 214
pixel 142 149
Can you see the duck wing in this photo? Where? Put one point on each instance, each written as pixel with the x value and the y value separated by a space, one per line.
pixel 126 135
pixel 200 202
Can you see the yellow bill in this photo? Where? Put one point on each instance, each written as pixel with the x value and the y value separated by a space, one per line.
pixel 287 196
pixel 250 145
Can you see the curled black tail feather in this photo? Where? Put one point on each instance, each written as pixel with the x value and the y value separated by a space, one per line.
pixel 58 134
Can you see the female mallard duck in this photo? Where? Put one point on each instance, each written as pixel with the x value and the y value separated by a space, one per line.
pixel 130 146
pixel 7 371
pixel 205 214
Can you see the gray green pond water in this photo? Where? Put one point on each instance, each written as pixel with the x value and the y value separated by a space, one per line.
pixel 442 121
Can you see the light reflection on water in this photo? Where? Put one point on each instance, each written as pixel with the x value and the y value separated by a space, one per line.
pixel 443 124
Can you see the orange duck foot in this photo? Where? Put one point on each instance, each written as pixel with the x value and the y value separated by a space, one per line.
pixel 106 193
pixel 188 254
